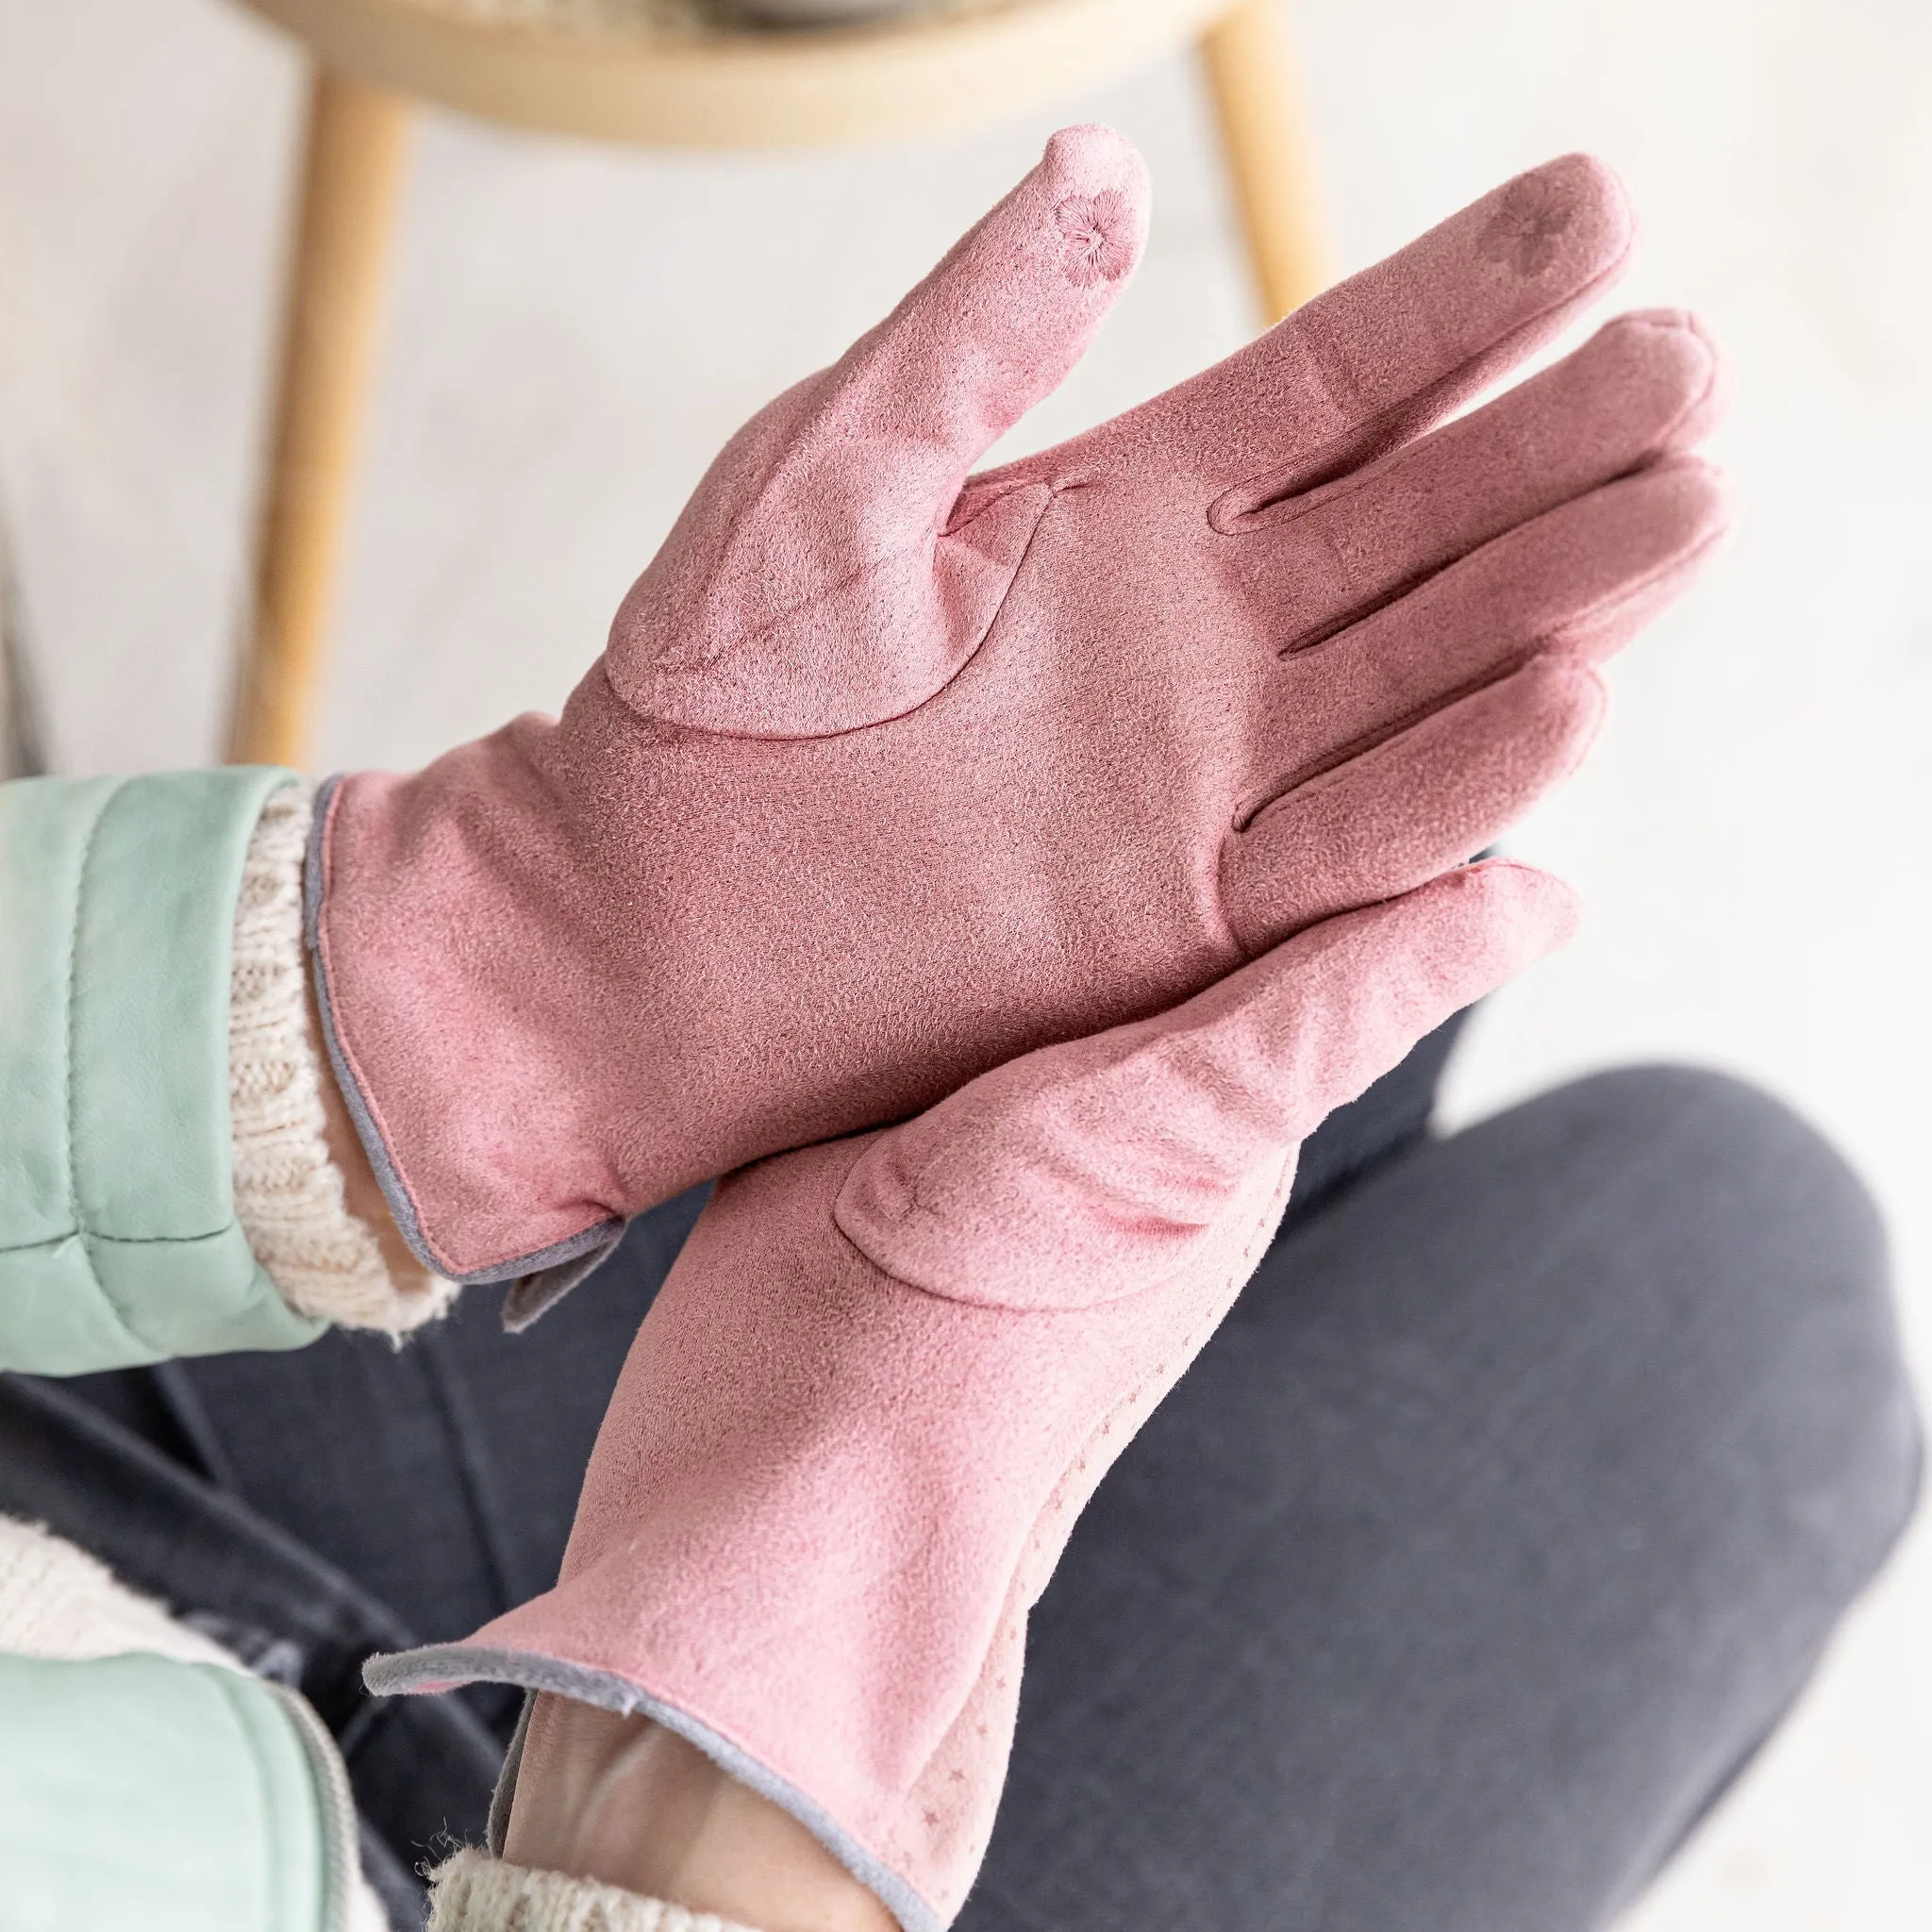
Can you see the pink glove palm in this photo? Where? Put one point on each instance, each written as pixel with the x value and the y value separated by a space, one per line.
pixel 888 776
pixel 886 1374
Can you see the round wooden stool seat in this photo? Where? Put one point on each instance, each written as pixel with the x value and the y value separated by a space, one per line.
pixel 657 72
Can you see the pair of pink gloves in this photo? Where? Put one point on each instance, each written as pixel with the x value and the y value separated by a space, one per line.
pixel 1122 794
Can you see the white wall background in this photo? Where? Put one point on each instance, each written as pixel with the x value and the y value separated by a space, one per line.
pixel 575 330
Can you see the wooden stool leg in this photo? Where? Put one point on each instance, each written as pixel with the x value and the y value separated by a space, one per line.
pixel 351 172
pixel 23 746
pixel 1251 76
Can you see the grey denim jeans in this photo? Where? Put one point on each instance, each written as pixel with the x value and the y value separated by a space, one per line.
pixel 1481 1548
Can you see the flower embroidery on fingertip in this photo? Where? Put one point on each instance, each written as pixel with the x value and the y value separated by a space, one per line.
pixel 1523 231
pixel 1098 230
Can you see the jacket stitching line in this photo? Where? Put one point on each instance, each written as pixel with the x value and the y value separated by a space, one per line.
pixel 70 1095
pixel 87 1237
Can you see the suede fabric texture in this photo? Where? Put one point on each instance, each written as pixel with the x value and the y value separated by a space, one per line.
pixel 890 773
pixel 887 1373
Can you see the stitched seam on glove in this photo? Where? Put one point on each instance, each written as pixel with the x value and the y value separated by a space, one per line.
pixel 707 655
pixel 1231 511
pixel 367 1115
pixel 745 644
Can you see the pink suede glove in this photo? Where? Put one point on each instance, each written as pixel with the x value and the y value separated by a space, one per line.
pixel 886 1374
pixel 888 776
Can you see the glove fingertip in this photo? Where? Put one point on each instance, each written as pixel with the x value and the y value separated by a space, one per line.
pixel 1091 155
pixel 1528 912
pixel 1097 191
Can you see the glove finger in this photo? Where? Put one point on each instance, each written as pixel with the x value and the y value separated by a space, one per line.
pixel 1375 359
pixel 1582 579
pixel 1089 1171
pixel 996 327
pixel 1378 357
pixel 1645 387
pixel 1411 807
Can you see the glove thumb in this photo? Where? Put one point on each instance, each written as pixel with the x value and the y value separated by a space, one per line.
pixel 1092 1170
pixel 828 576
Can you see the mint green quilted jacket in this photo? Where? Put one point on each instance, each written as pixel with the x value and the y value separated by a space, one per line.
pixel 118 1238
pixel 136 1792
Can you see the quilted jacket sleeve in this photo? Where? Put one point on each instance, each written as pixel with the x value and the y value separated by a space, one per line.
pixel 119 1243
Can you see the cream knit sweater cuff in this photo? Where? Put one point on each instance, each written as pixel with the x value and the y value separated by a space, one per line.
pixel 287 1192
pixel 475 1892
pixel 60 1602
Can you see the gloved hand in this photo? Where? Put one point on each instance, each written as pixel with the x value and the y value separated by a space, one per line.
pixel 886 1372
pixel 889 774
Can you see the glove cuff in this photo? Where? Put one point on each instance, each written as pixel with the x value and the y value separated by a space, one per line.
pixel 538 1276
pixel 475 1892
